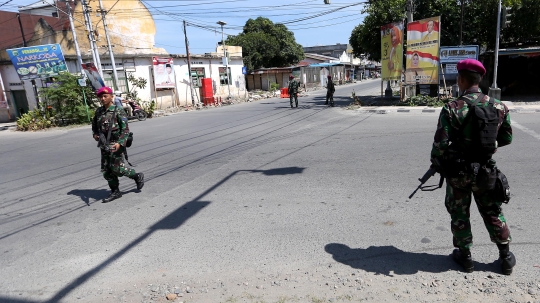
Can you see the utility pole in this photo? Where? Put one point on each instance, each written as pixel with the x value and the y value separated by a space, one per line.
pixel 493 90
pixel 190 79
pixel 22 31
pixel 225 58
pixel 410 9
pixel 461 24
pixel 91 37
pixel 109 44
pixel 33 82
pixel 74 33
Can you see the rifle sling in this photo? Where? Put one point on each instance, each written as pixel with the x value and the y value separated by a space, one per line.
pixel 110 125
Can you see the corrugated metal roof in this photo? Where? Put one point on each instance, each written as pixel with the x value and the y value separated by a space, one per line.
pixel 324 64
pixel 519 51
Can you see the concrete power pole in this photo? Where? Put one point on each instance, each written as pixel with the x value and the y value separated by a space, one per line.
pixel 225 58
pixel 190 79
pixel 74 33
pixel 109 45
pixel 91 37
pixel 495 92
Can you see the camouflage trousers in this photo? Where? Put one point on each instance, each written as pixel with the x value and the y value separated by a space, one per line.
pixel 459 192
pixel 113 166
pixel 293 97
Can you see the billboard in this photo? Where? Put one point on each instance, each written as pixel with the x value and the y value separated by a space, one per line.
pixel 40 61
pixel 423 42
pixel 163 72
pixel 392 51
pixel 454 54
pixel 93 75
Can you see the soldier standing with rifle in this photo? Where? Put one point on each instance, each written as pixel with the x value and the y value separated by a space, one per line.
pixel 110 129
pixel 462 152
pixel 330 89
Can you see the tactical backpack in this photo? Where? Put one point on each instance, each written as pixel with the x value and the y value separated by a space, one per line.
pixel 484 119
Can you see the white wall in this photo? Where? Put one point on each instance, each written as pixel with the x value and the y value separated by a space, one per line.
pixel 182 96
pixel 143 68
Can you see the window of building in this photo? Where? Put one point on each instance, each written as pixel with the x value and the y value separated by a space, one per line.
pixel 108 78
pixel 223 79
pixel 197 73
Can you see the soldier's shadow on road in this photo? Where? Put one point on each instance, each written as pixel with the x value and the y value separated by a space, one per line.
pixel 389 260
pixel 89 196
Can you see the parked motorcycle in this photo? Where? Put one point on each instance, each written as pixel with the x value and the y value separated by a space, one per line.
pixel 138 112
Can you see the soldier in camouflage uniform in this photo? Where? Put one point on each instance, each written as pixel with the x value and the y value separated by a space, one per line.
pixel 114 118
pixel 330 89
pixel 293 90
pixel 454 136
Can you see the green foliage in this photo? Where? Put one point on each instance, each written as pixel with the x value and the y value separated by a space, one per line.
pixel 366 37
pixel 35 120
pixel 424 100
pixel 265 44
pixel 274 86
pixel 525 22
pixel 139 83
pixel 65 101
pixel 148 106
pixel 479 22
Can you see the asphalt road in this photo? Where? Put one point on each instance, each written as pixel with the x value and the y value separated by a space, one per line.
pixel 250 191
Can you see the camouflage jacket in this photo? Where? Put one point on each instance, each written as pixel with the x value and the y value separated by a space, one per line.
pixel 451 128
pixel 120 129
pixel 293 86
pixel 330 87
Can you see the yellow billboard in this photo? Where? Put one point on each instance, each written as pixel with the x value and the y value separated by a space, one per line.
pixel 423 42
pixel 392 51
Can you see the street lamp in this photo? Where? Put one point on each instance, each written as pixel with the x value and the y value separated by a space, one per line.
pixel 225 57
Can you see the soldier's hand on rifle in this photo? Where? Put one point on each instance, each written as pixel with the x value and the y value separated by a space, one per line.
pixel 96 137
pixel 115 147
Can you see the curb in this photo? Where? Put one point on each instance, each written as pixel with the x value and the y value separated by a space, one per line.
pixel 8 127
pixel 398 110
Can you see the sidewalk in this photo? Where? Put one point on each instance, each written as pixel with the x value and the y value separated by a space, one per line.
pixel 522 109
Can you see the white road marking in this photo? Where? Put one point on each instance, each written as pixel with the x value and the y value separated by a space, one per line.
pixel 526 130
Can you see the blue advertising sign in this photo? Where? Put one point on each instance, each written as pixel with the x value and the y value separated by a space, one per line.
pixel 40 61
pixel 244 70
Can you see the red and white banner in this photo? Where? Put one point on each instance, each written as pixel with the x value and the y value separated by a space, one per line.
pixel 163 72
pixel 423 44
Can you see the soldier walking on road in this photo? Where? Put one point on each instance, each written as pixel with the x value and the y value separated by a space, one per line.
pixel 293 90
pixel 110 128
pixel 330 89
pixel 469 131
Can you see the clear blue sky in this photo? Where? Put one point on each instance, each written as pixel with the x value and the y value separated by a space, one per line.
pixel 311 21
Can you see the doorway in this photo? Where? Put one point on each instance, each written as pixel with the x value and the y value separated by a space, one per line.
pixel 20 102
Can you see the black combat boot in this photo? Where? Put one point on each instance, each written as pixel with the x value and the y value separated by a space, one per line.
pixel 463 258
pixel 139 180
pixel 115 194
pixel 507 258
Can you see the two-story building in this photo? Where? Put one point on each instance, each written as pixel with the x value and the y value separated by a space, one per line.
pixel 131 31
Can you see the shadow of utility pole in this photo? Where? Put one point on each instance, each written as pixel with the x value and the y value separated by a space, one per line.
pixel 173 221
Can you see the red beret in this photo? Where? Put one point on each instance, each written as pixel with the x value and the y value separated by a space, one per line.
pixel 472 65
pixel 104 90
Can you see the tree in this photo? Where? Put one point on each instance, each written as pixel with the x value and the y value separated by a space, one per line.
pixel 65 98
pixel 479 22
pixel 265 44
pixel 366 37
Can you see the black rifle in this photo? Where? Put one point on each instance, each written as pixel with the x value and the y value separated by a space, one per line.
pixel 430 173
